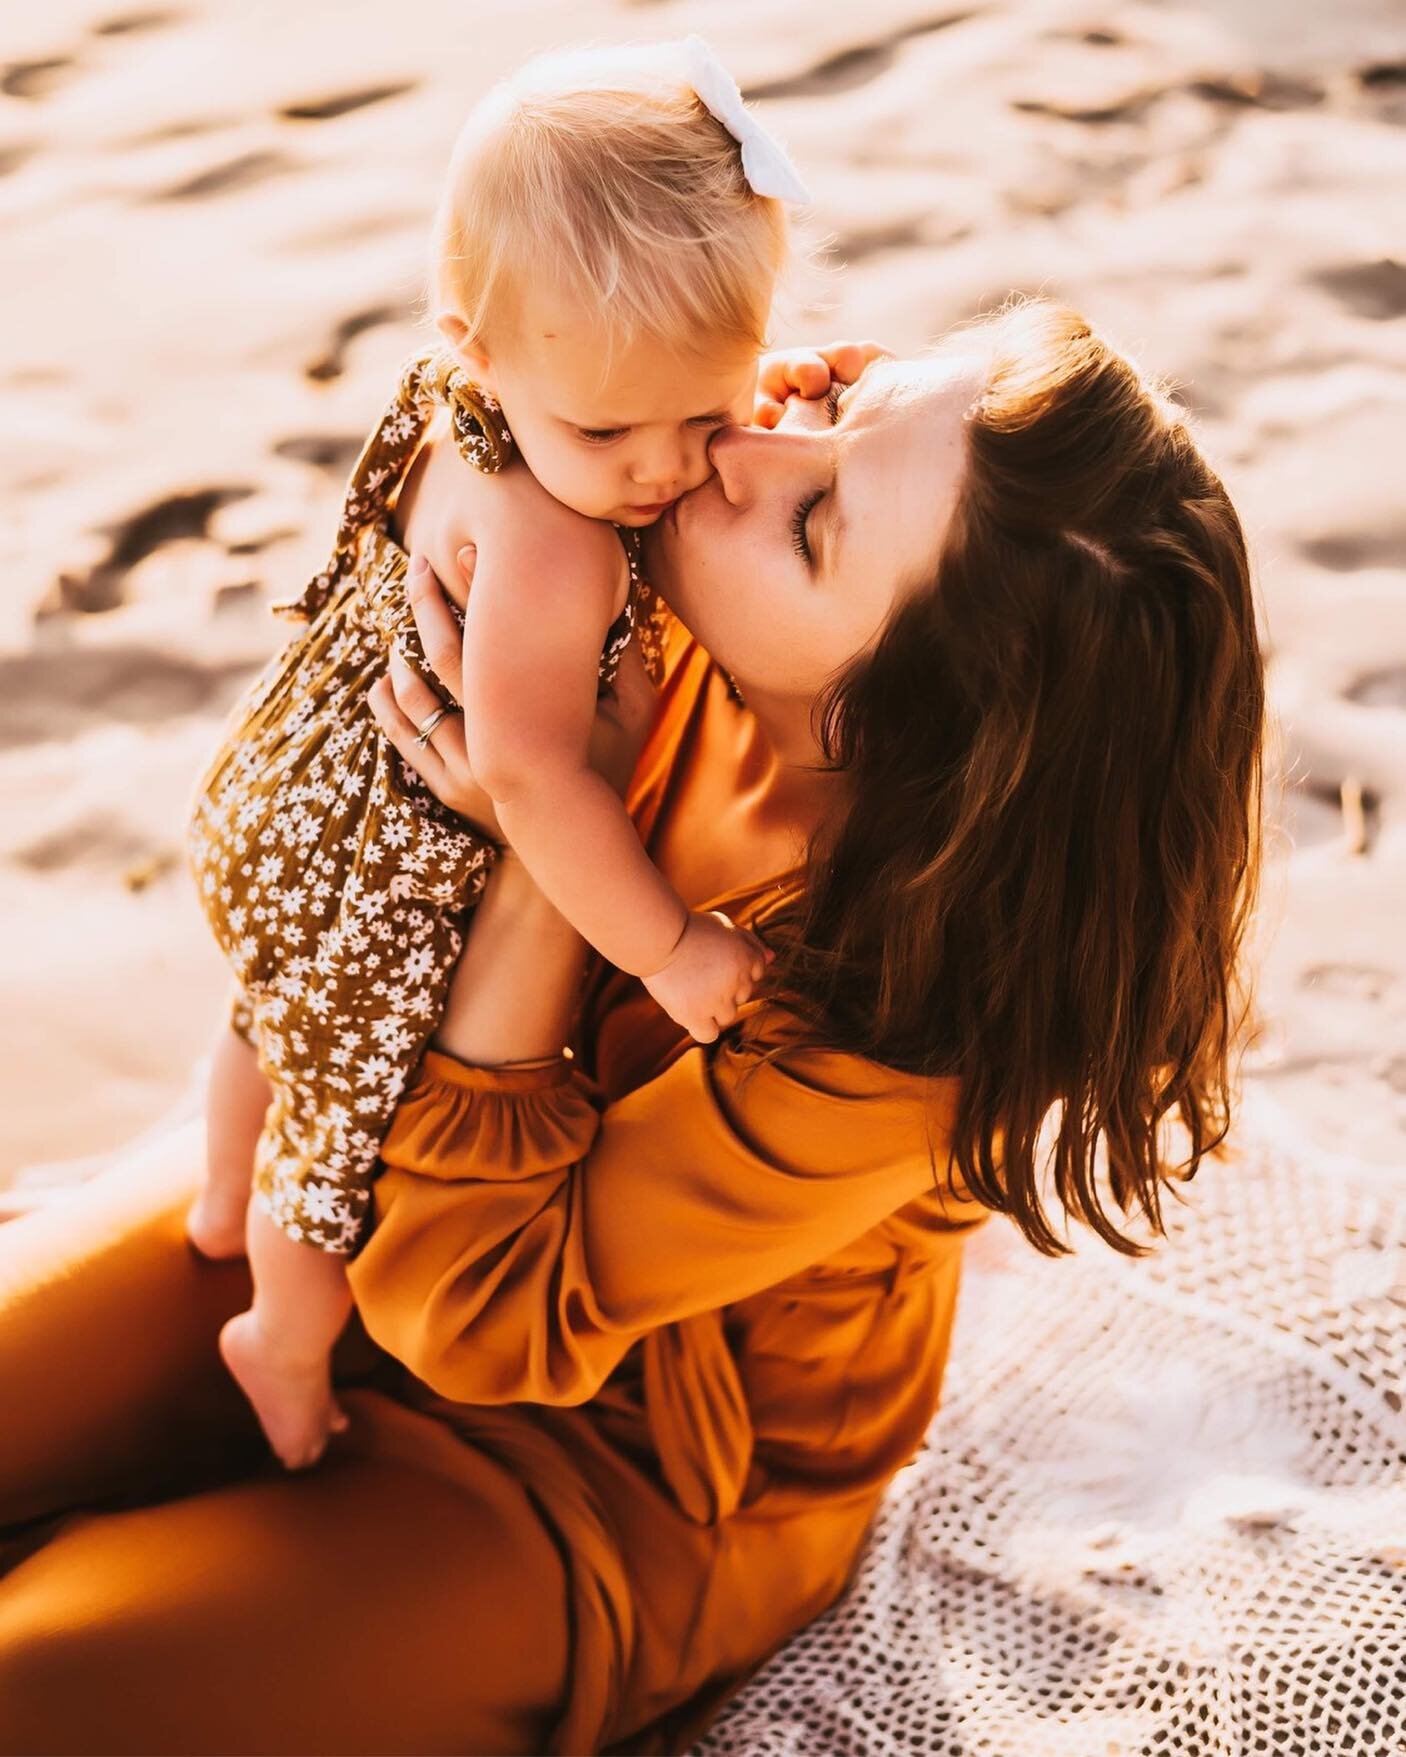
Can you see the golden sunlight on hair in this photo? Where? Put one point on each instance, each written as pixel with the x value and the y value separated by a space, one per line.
pixel 602 171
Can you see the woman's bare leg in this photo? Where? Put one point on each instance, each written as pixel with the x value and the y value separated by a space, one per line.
pixel 404 1598
pixel 236 1105
pixel 280 1350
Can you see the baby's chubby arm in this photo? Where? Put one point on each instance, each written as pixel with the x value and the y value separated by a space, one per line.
pixel 538 613
pixel 541 603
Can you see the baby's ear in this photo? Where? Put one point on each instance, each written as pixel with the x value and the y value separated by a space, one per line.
pixel 466 347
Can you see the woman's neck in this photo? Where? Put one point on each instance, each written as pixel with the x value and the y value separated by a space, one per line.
pixel 788 781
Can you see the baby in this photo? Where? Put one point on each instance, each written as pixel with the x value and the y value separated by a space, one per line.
pixel 606 253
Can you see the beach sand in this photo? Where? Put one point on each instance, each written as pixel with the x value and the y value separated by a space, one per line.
pixel 215 218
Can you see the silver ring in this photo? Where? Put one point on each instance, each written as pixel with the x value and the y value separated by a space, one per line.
pixel 425 730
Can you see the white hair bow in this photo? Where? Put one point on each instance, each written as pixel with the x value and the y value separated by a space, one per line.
pixel 764 160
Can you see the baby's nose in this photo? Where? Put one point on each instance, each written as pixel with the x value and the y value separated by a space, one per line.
pixel 664 467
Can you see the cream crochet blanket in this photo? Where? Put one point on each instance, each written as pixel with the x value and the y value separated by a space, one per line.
pixel 1161 1511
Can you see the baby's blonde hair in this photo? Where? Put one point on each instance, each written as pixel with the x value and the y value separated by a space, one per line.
pixel 601 170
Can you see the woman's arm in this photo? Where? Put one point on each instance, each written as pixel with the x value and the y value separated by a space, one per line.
pixel 514 992
pixel 523 1242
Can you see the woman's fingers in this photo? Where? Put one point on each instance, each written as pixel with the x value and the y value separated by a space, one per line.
pixel 439 629
pixel 401 702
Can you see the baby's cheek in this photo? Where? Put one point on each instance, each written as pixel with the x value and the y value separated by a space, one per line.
pixel 697 474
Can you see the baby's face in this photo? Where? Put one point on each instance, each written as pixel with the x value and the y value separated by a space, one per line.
pixel 616 439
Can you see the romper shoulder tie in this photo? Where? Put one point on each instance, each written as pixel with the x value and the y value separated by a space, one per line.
pixel 429 382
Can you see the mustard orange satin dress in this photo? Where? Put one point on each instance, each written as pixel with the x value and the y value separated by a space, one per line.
pixel 709 1320
pixel 659 1325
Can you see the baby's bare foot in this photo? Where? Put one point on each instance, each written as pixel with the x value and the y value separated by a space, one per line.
pixel 215 1227
pixel 292 1399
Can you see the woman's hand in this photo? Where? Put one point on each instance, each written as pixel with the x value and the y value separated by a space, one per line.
pixel 809 373
pixel 401 701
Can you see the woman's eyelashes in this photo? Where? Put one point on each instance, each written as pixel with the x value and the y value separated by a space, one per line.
pixel 800 540
pixel 800 537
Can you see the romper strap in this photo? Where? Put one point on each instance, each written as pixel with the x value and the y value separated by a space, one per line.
pixel 428 382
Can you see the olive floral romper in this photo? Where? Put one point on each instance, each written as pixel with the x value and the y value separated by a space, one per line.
pixel 337 885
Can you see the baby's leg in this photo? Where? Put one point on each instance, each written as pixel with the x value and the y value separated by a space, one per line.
pixel 280 1349
pixel 235 1108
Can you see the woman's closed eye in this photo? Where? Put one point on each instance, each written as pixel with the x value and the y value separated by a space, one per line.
pixel 800 539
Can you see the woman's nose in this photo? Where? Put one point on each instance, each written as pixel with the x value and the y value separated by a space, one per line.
pixel 745 457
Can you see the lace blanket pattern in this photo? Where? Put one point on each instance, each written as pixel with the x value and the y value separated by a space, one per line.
pixel 1161 1511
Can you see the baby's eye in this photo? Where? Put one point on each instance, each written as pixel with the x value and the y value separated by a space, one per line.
pixel 600 435
pixel 721 419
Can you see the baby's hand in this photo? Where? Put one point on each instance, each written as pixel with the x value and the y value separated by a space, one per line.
pixel 713 970
pixel 808 373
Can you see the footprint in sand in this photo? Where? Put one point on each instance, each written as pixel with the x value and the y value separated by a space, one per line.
pixel 333 452
pixel 104 840
pixel 1380 689
pixel 128 24
pixel 1344 551
pixel 850 68
pixel 333 363
pixel 241 172
pixel 1368 289
pixel 60 694
pixel 1260 90
pixel 1349 982
pixel 343 103
pixel 36 79
pixel 1130 109
pixel 858 246
pixel 168 520
pixel 32 80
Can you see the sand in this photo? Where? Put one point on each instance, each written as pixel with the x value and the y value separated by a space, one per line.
pixel 214 218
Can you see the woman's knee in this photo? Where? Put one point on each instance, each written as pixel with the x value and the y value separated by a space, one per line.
pixel 50 1678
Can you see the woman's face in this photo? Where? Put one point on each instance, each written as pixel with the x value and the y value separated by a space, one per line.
pixel 787 562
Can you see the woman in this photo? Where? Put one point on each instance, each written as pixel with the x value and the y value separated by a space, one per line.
pixel 966 723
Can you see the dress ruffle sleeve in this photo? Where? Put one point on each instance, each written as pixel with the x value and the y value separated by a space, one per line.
pixel 522 1120
pixel 524 1241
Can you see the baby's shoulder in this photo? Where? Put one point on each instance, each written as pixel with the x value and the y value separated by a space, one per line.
pixel 572 552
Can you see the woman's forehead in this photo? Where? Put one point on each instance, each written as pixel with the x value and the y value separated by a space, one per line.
pixel 908 452
pixel 903 387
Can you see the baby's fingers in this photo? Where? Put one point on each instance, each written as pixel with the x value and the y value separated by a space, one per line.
pixel 847 360
pixel 801 372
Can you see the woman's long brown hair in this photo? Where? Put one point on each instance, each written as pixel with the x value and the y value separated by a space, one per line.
pixel 1042 878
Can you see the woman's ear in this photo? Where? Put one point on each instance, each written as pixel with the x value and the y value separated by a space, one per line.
pixel 466 347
